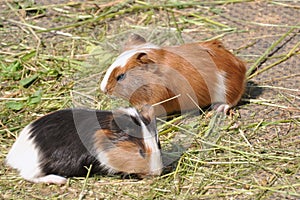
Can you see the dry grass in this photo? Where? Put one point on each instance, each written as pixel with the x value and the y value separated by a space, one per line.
pixel 53 56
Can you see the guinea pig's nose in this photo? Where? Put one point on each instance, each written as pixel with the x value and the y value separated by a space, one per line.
pixel 103 87
pixel 104 90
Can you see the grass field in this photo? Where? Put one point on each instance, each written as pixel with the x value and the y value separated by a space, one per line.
pixel 54 53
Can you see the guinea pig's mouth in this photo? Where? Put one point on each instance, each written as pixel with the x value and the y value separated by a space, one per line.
pixel 105 91
pixel 145 176
pixel 139 176
pixel 132 176
pixel 113 97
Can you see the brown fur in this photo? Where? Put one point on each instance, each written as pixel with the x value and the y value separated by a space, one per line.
pixel 191 70
pixel 122 155
pixel 132 162
pixel 234 67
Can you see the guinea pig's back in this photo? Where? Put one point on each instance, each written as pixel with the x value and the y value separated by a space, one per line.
pixel 194 62
pixel 59 143
pixel 215 73
pixel 69 135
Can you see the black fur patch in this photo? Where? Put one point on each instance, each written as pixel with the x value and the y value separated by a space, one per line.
pixel 65 141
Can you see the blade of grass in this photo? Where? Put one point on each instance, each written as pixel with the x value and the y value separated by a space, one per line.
pixel 82 193
pixel 243 153
pixel 30 29
pixel 290 54
pixel 266 53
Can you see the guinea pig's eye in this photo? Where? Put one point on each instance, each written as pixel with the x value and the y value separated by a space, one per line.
pixel 121 77
pixel 142 153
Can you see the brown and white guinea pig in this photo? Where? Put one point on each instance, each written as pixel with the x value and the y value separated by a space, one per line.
pixel 201 74
pixel 67 142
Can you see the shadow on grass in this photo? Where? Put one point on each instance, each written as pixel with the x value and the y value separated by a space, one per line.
pixel 252 91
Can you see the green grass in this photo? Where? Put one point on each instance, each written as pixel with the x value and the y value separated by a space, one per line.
pixel 54 56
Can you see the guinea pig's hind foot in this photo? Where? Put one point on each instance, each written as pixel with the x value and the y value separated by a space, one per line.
pixel 221 107
pixel 51 178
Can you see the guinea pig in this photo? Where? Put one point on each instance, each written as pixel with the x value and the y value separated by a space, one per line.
pixel 199 74
pixel 67 142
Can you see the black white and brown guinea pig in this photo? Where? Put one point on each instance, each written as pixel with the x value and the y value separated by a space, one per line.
pixel 66 143
pixel 200 74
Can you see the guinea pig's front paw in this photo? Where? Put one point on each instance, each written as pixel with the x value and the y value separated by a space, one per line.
pixel 221 107
pixel 54 179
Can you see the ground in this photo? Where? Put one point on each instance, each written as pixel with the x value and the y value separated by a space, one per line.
pixel 54 53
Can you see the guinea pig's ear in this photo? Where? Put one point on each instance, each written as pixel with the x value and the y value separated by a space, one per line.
pixel 134 40
pixel 143 58
pixel 147 113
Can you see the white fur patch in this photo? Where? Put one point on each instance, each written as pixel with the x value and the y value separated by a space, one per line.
pixel 219 95
pixel 150 142
pixel 122 59
pixel 50 179
pixel 24 156
pixel 102 157
pixel 130 111
pixel 156 165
